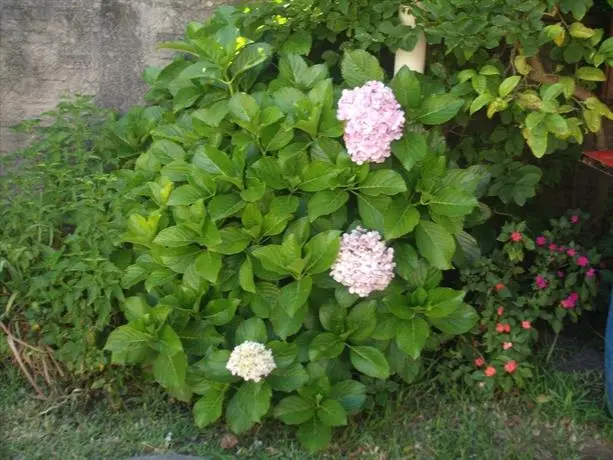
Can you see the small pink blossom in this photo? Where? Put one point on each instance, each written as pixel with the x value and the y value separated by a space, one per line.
pixel 374 119
pixel 541 240
pixel 541 282
pixel 561 249
pixel 526 325
pixel 510 367
pixel 499 287
pixel 561 274
pixel 480 361
pixel 574 219
pixel 503 328
pixel 570 301
pixel 552 247
pixel 490 371
pixel 591 272
pixel 583 261
pixel 571 252
pixel 507 345
pixel 516 236
pixel 500 311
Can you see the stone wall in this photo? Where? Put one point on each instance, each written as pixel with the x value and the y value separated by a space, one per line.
pixel 99 47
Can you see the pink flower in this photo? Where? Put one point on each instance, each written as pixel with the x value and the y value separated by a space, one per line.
pixel 374 119
pixel 561 274
pixel 502 328
pixel 500 311
pixel 541 240
pixel 583 261
pixel 574 219
pixel 541 282
pixel 561 249
pixel 510 367
pixel 571 252
pixel 570 301
pixel 507 345
pixel 552 247
pixel 490 371
pixel 516 236
pixel 590 273
pixel 499 287
pixel 526 325
pixel 364 264
pixel 480 361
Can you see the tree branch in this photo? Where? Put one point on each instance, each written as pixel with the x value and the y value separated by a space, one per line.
pixel 539 75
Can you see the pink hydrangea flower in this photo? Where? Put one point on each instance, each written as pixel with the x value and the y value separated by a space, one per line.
pixel 541 240
pixel 516 236
pixel 552 247
pixel 583 261
pixel 571 252
pixel 374 119
pixel 541 282
pixel 574 219
pixel 364 264
pixel 591 273
pixel 570 301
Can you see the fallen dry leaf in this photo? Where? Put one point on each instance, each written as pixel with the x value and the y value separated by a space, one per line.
pixel 228 441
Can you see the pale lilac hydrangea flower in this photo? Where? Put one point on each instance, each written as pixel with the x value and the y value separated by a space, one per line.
pixel 364 264
pixel 251 361
pixel 374 119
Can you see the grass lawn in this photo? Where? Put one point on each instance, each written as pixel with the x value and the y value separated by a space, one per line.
pixel 561 416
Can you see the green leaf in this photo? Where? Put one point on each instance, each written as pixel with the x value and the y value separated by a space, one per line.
pixel 245 276
pixel 578 30
pixel 382 182
pixel 319 175
pixel 332 413
pixel 247 407
pixel 326 346
pixel 285 325
pixel 435 243
pixel 176 236
pixel 489 69
pixel 225 205
pixel 439 108
pixel 480 101
pixel 350 394
pixel 213 161
pixel 126 338
pixel 212 115
pixel 244 107
pixel 460 321
pixel 252 329
pixel 250 56
pixel 590 74
pixel 411 336
pixel 556 124
pixel 295 294
pixel 184 196
pixel 362 320
pixel 208 408
pixel 297 43
pixel 208 265
pixel 400 218
pixel 369 361
pixel 214 367
pixel 166 151
pixel 220 311
pixel 168 342
pixel 332 317
pixel 410 149
pixel 452 202
pixel 271 258
pixel 407 88
pixel 508 85
pixel 321 251
pixel 169 371
pixel 233 241
pixel 371 209
pixel 359 67
pixel 289 378
pixel 268 171
pixel 294 410
pixel 326 202
pixel 443 302
pixel 314 435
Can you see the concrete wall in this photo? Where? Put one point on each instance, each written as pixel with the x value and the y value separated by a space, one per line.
pixel 100 47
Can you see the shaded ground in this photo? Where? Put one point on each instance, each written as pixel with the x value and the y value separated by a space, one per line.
pixel 561 416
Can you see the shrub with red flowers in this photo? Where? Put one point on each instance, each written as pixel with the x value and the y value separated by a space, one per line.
pixel 528 283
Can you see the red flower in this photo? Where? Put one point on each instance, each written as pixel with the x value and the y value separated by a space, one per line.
pixel 490 371
pixel 503 328
pixel 480 361
pixel 499 287
pixel 552 247
pixel 516 236
pixel 526 325
pixel 510 367
pixel 574 219
pixel 583 261
pixel 500 311
pixel 541 240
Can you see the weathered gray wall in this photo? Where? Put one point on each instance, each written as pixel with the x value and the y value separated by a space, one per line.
pixel 100 47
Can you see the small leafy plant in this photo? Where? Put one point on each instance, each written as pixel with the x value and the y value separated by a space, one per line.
pixel 524 285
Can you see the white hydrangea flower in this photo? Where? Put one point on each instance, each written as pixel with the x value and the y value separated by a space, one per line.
pixel 251 361
pixel 364 264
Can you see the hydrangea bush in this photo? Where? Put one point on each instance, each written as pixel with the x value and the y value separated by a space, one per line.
pixel 529 283
pixel 277 267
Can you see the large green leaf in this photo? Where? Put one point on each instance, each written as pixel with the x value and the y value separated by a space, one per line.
pixel 271 258
pixel 295 294
pixel 410 149
pixel 233 241
pixel 176 236
pixel 252 329
pixel 213 161
pixel 326 202
pixel 437 109
pixel 460 321
pixel 371 210
pixel 400 218
pixel 382 182
pixel 435 243
pixel 221 311
pixel 208 265
pixel 250 56
pixel 247 407
pixel 126 338
pixel 369 361
pixel 350 394
pixel 332 413
pixel 289 378
pixel 326 346
pixel 168 341
pixel 443 302
pixel 362 320
pixel 407 88
pixel 169 371
pixel 314 435
pixel 359 67
pixel 321 251
pixel 411 336
pixel 452 202
pixel 294 410
pixel 208 408
pixel 244 108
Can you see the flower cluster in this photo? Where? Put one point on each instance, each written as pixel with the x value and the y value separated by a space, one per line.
pixel 364 264
pixel 251 361
pixel 374 119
